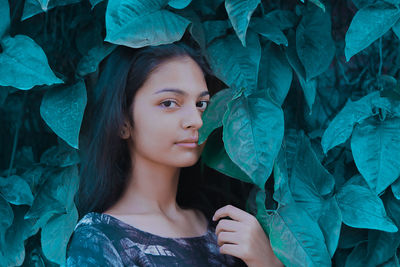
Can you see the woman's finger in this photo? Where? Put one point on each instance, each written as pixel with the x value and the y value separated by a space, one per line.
pixel 227 225
pixel 232 212
pixel 231 249
pixel 227 237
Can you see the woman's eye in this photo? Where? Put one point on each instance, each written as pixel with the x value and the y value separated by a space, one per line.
pixel 203 104
pixel 168 103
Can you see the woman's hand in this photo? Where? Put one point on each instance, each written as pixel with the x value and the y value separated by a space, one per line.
pixel 244 238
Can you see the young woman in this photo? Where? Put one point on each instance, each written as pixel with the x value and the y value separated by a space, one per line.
pixel 145 129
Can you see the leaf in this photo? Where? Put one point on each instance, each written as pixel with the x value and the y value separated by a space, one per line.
pixel 296 239
pixel 179 4
pixel 56 233
pixel 275 73
pixel 214 29
pixel 269 31
pixel 396 29
pixel 34 7
pixel 376 150
pixel 60 156
pixel 361 208
pixel 368 24
pixel 214 113
pixel 396 189
pixel 341 127
pixel 62 109
pixel 314 43
pixel 55 196
pixel 252 133
pixel 309 87
pixel 90 62
pixel 95 2
pixel 357 257
pixel 24 64
pixel 284 19
pixel 12 250
pixel 233 64
pixel 7 215
pixel 139 23
pixel 239 13
pixel 16 190
pixel 215 156
pixel 312 188
pixel 5 17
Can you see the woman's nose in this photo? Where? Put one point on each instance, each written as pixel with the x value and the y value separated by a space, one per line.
pixel 192 118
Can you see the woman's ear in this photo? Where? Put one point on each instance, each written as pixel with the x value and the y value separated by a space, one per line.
pixel 125 131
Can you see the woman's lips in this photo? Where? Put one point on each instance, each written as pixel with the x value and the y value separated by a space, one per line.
pixel 189 145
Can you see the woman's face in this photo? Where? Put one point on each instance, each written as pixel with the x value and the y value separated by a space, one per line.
pixel 167 112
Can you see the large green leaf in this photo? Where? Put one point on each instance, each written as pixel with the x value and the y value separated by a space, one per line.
pixel 341 127
pixel 214 113
pixel 375 146
pixel 309 87
pixel 12 249
pixel 253 129
pixel 361 208
pixel 368 24
pixel 312 188
pixel 269 31
pixel 24 64
pixel 296 238
pixel 138 23
pixel 56 233
pixel 215 156
pixel 240 13
pixel 275 73
pixel 16 190
pixel 233 64
pixel 55 196
pixel 5 17
pixel 34 7
pixel 314 43
pixel 62 109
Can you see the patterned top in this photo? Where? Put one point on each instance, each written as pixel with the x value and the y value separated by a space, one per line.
pixel 103 240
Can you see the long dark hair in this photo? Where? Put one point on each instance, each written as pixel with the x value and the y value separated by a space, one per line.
pixel 105 156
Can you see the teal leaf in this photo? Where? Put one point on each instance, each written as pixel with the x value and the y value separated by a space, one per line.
pixel 240 13
pixel 375 146
pixel 34 7
pixel 5 17
pixel 268 30
pixel 292 229
pixel 214 29
pixel 233 64
pixel 361 208
pixel 284 19
pixel 253 129
pixel 341 127
pixel 55 196
pixel 56 233
pixel 396 29
pixel 311 186
pixel 212 116
pixel 396 189
pixel 16 190
pixel 357 257
pixel 90 62
pixel 139 23
pixel 196 27
pixel 62 109
pixel 275 73
pixel 7 215
pixel 33 177
pixel 95 2
pixel 215 156
pixel 179 4
pixel 314 43
pixel 368 24
pixel 60 156
pixel 24 64
pixel 12 247
pixel 309 87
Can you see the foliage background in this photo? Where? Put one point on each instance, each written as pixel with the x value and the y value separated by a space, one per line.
pixel 310 116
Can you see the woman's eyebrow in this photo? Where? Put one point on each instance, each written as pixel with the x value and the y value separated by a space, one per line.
pixel 179 91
